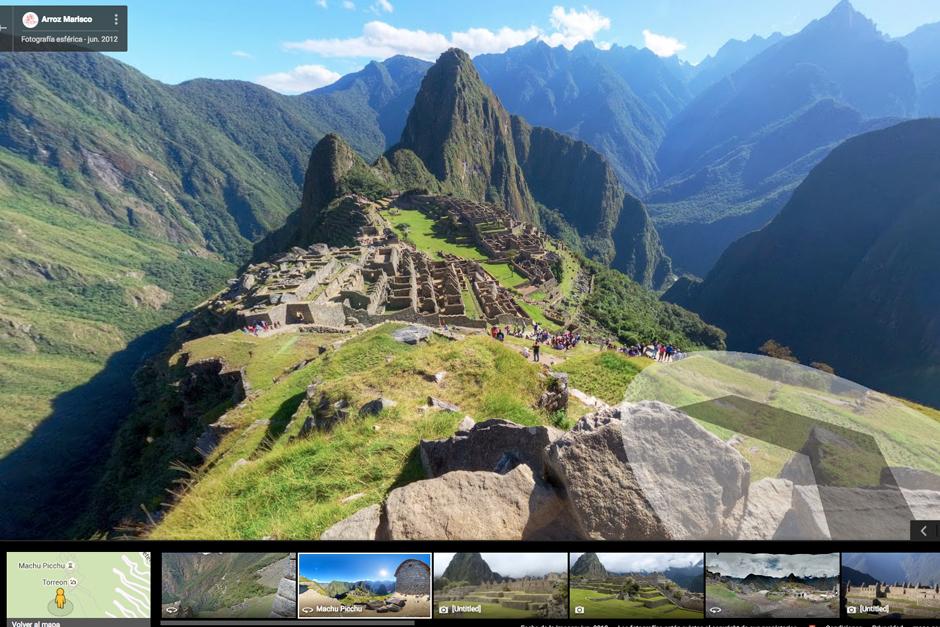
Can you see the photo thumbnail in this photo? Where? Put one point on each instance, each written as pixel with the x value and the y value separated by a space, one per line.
pixel 500 585
pixel 763 585
pixel 229 585
pixel 894 586
pixel 637 585
pixel 364 585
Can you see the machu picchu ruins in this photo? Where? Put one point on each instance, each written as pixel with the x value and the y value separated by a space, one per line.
pixel 382 277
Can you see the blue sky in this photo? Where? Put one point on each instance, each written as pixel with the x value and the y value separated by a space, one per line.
pixel 355 566
pixel 296 45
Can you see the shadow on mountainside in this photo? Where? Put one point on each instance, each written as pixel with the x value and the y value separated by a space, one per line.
pixel 47 480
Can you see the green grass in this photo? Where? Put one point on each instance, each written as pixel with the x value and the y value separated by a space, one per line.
pixel 418 228
pixel 624 609
pixel 470 306
pixel 905 434
pixel 295 489
pixel 263 358
pixel 68 284
pixel 728 599
pixel 505 274
pixel 605 374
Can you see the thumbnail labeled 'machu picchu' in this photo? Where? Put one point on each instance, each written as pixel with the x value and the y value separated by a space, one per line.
pixel 366 585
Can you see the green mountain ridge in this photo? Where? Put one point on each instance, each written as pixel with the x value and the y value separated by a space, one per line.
pixel 128 201
pixel 846 274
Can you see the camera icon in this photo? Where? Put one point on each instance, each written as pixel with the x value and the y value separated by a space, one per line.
pixel 442 609
pixel 851 609
pixel 579 609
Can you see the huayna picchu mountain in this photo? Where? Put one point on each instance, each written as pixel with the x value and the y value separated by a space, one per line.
pixel 460 140
pixel 469 568
pixel 588 565
pixel 849 272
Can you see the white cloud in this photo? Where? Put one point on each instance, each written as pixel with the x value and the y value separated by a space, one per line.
pixel 302 78
pixel 380 40
pixel 573 26
pixel 512 564
pixel 241 54
pixel 661 45
pixel 740 565
pixel 349 5
pixel 643 562
pixel 382 6
pixel 321 4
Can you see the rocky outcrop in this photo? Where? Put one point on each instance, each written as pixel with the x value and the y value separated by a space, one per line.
pixel 208 383
pixel 376 406
pixel 411 334
pixel 768 501
pixel 487 445
pixel 325 414
pixel 464 505
pixel 625 469
pixel 363 525
pixel 555 397
pixel 641 471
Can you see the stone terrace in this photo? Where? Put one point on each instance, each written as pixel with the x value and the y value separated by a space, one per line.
pixel 500 237
pixel 379 279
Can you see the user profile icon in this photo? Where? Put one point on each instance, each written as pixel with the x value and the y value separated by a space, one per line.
pixel 30 20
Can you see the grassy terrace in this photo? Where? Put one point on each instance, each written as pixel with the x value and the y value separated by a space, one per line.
pixel 615 608
pixel 417 228
pixel 296 489
pixel 264 358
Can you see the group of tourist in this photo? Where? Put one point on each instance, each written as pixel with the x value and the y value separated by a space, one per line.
pixel 566 340
pixel 658 351
pixel 260 327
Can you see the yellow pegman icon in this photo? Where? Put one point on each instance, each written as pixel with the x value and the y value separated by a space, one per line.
pixel 60 598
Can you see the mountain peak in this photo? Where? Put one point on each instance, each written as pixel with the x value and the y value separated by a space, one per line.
pixel 845 16
pixel 461 132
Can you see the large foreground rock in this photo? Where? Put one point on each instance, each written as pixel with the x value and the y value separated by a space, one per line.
pixel 363 525
pixel 488 446
pixel 465 505
pixel 768 501
pixel 647 471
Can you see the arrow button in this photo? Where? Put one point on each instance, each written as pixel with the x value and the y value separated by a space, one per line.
pixel 925 530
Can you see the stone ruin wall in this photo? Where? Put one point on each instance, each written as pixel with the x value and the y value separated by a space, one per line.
pixel 285 600
pixel 535 585
pixel 900 592
pixel 413 577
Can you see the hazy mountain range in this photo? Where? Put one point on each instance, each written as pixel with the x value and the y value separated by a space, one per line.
pixel 848 273
pixel 891 568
